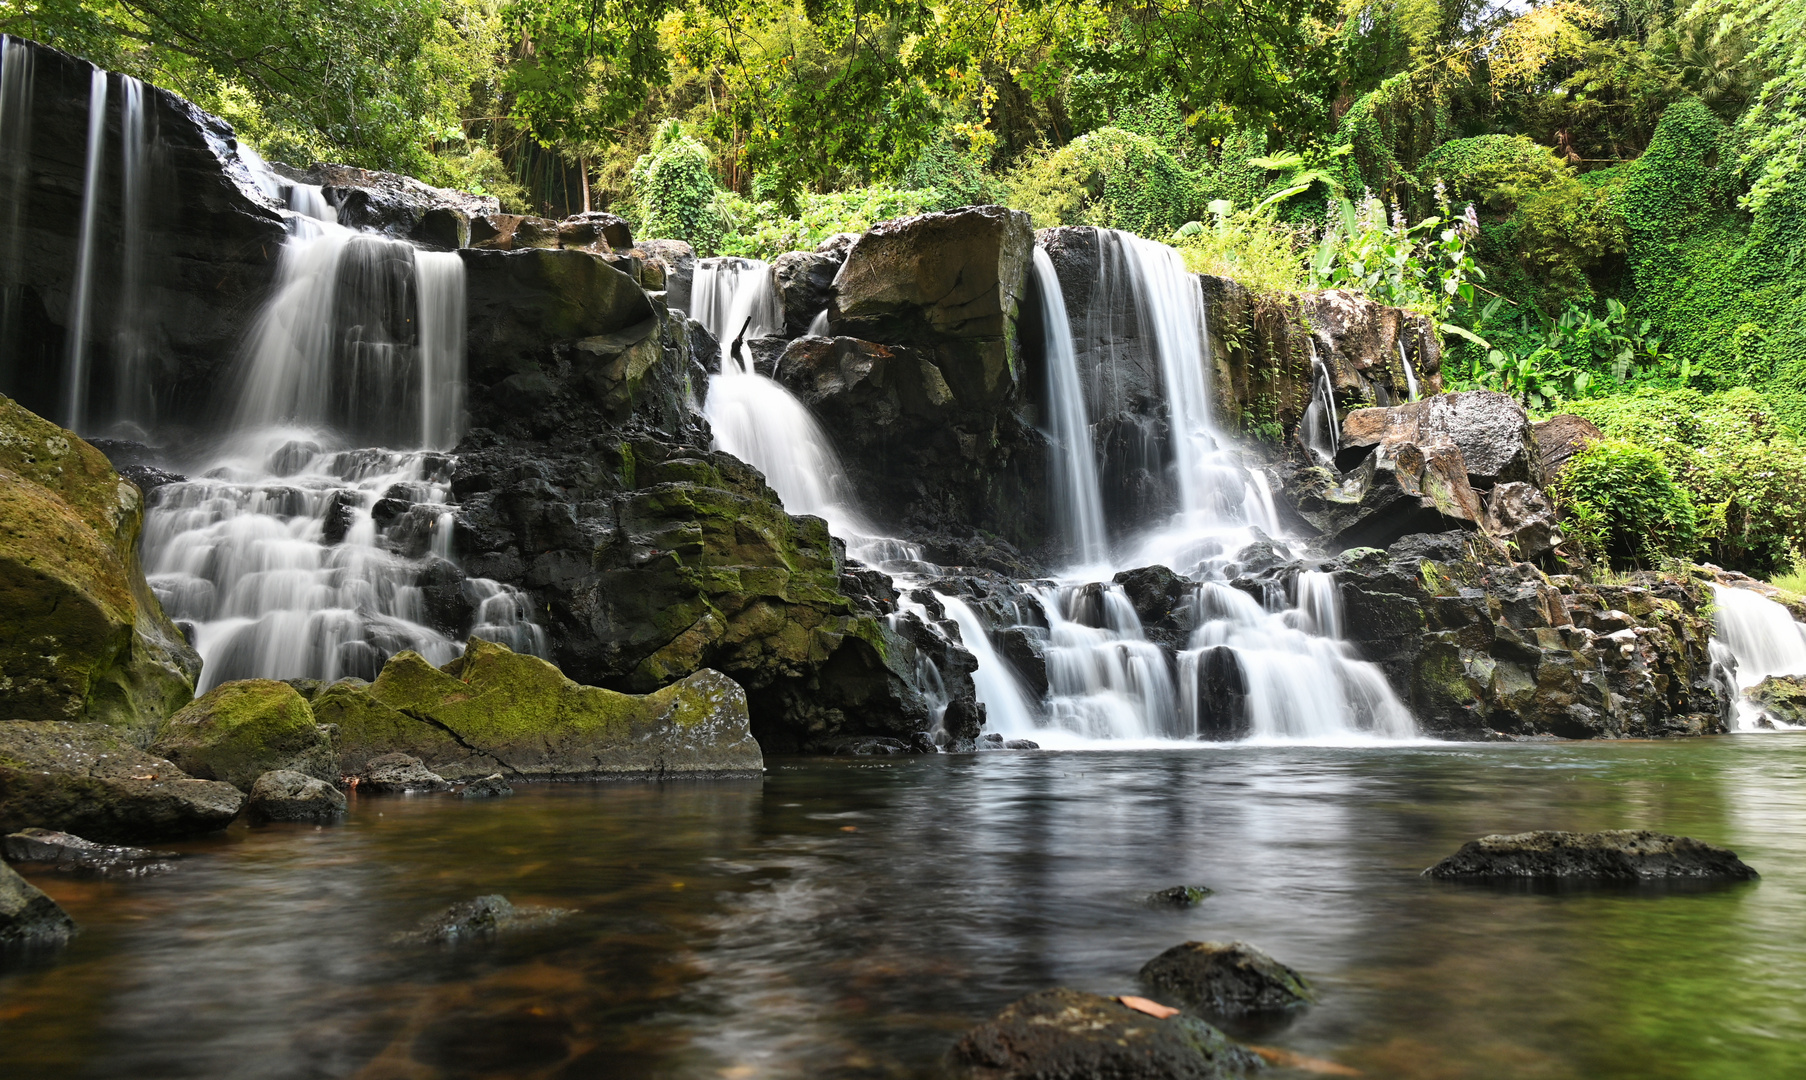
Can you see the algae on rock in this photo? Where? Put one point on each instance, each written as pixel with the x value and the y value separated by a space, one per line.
pixel 238 731
pixel 82 638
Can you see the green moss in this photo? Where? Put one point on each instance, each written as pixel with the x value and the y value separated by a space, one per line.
pixel 238 731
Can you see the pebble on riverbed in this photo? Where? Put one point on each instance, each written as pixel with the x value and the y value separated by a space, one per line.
pixel 484 917
pixel 1616 855
pixel 68 852
pixel 1179 896
pixel 1069 1035
pixel 1226 979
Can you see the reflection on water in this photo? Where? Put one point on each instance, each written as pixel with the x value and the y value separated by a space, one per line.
pixel 850 918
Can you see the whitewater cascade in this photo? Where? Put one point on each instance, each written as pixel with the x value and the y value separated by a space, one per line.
pixel 75 363
pixel 1268 668
pixel 1756 638
pixel 1410 372
pixel 1077 499
pixel 15 177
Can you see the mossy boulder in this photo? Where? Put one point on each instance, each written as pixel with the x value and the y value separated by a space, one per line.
pixel 88 780
pixel 1071 1035
pixel 82 638
pixel 1781 698
pixel 493 710
pixel 27 916
pixel 238 731
pixel 1226 979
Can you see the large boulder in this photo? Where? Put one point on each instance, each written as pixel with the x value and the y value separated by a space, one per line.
pixel 400 206
pixel 285 795
pixel 82 638
pixel 1226 979
pixel 805 282
pixel 86 779
pixel 1616 855
pixel 207 249
pixel 1400 488
pixel 1492 430
pixel 27 916
pixel 1071 1035
pixel 494 710
pixel 1781 698
pixel 240 730
pixel 1559 438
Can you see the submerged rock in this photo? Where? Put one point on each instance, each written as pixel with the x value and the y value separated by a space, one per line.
pixel 81 636
pixel 1615 855
pixel 285 795
pixel 86 779
pixel 494 710
pixel 27 916
pixel 1226 978
pixel 239 731
pixel 484 917
pixel 398 774
pixel 1070 1035
pixel 489 787
pixel 64 851
pixel 1179 896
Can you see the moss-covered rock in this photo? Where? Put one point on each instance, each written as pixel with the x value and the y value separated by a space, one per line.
pixel 88 780
pixel 238 731
pixel 81 636
pixel 27 916
pixel 1070 1035
pixel 494 710
pixel 1781 698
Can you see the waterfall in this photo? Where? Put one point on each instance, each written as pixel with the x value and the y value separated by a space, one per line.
pixel 75 370
pixel 15 187
pixel 439 292
pixel 818 326
pixel 1007 709
pixel 1320 428
pixel 736 299
pixel 1105 679
pixel 134 410
pixel 1078 501
pixel 1756 638
pixel 1410 375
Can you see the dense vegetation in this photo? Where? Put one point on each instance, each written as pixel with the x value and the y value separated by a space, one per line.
pixel 1602 202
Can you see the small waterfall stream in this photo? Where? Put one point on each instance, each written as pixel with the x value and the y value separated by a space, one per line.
pixel 75 363
pixel 1756 638
pixel 15 177
pixel 1078 501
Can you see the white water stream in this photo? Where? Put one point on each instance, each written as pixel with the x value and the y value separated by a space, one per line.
pixel 1756 638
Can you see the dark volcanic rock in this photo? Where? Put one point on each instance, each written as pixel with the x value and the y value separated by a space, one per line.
pixel 597 231
pixel 399 774
pixel 1226 978
pixel 806 286
pixel 86 779
pixel 1069 1035
pixel 71 853
pixel 482 918
pixel 489 787
pixel 1560 438
pixel 1617 855
pixel 285 795
pixel 1491 429
pixel 1179 896
pixel 1398 489
pixel 399 206
pixel 28 917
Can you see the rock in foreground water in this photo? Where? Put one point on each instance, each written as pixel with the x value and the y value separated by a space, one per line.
pixel 1179 896
pixel 1226 978
pixel 238 731
pixel 66 852
pixel 483 917
pixel 399 774
pixel 27 916
pixel 1069 1035
pixel 87 780
pixel 285 795
pixel 492 786
pixel 1616 855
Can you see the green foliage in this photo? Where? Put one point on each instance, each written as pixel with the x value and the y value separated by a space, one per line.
pixel 762 230
pixel 1424 267
pixel 1247 245
pixel 1494 172
pixel 1545 361
pixel 1109 178
pixel 1733 458
pixel 674 192
pixel 1623 507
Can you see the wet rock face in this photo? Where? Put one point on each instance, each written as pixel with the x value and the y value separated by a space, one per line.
pixel 87 780
pixel 805 282
pixel 1491 429
pixel 283 795
pixel 1400 488
pixel 207 268
pixel 1620 855
pixel 1070 1035
pixel 1782 698
pixel 493 710
pixel 480 919
pixel 398 206
pixel 27 917
pixel 1226 979
pixel 1499 649
pixel 63 851
pixel 82 638
pixel 239 731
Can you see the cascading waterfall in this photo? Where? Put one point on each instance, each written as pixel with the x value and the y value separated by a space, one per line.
pixel 133 410
pixel 75 370
pixel 1078 501
pixel 1007 709
pixel 1756 638
pixel 1105 679
pixel 1410 373
pixel 1321 427
pixel 15 177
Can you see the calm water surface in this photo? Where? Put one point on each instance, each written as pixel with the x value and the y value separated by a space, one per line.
pixel 849 918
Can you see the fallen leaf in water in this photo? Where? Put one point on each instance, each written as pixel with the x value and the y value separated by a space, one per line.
pixel 738 1072
pixel 1152 1008
pixel 849 828
pixel 1272 1055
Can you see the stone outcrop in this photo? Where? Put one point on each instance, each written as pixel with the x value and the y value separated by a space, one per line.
pixel 397 206
pixel 1491 430
pixel 1400 488
pixel 241 730
pixel 1480 647
pixel 82 638
pixel 87 780
pixel 50 849
pixel 1782 699
pixel 1070 1035
pixel 1618 855
pixel 206 267
pixel 1560 438
pixel 805 281
pixel 1226 979
pixel 285 795
pixel 28 917
pixel 493 710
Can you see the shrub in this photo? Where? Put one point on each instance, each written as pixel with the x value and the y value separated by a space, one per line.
pixel 674 194
pixel 1623 506
pixel 1493 171
pixel 1111 178
pixel 761 229
pixel 1249 247
pixel 1729 452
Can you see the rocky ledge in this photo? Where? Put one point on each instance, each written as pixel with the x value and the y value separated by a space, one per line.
pixel 1620 855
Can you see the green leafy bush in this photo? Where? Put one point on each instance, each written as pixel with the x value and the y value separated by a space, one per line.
pixel 761 229
pixel 1495 172
pixel 673 192
pixel 1545 361
pixel 1247 246
pixel 1742 470
pixel 1623 506
pixel 1111 178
